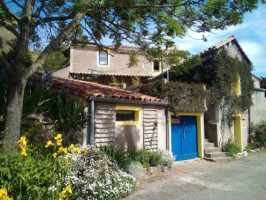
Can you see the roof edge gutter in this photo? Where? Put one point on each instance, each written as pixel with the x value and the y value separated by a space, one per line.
pixel 112 100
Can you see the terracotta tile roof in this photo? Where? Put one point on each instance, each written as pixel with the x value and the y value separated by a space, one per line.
pixel 85 89
pixel 111 74
pixel 258 77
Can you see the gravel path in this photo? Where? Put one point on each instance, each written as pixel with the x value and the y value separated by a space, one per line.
pixel 198 179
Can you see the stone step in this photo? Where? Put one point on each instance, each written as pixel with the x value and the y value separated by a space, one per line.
pixel 207 140
pixel 211 150
pixel 215 155
pixel 220 160
pixel 208 144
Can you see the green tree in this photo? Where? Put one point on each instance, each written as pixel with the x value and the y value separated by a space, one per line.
pixel 144 23
pixel 55 61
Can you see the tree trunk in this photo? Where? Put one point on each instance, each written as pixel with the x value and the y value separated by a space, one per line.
pixel 13 115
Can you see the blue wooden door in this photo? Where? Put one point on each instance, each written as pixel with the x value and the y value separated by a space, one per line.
pixel 184 137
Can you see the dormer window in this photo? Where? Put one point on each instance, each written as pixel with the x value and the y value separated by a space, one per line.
pixel 156 65
pixel 103 58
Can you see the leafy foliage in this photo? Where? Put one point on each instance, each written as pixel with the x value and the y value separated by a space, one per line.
pixel 56 61
pixel 116 154
pixel 263 83
pixel 151 158
pixel 260 134
pixel 231 148
pixel 28 177
pixel 181 96
pixel 219 72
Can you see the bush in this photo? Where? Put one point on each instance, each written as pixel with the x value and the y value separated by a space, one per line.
pixel 167 160
pixel 152 158
pixel 95 176
pixel 231 148
pixel 133 168
pixel 28 177
pixel 116 154
pixel 260 134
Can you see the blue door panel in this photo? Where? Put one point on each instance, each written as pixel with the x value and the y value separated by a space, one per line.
pixel 184 138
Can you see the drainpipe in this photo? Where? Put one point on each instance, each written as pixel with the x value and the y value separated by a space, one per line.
pixel 167 129
pixel 91 139
pixel 249 126
pixel 162 67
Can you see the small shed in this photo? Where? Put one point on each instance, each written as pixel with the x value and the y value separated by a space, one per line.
pixel 120 117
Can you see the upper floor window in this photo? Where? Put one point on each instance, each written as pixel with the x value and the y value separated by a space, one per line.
pixel 156 65
pixel 103 58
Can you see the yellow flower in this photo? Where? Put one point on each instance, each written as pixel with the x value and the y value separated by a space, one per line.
pixel 54 155
pixel 3 192
pixel 71 147
pixel 22 141
pixel 65 192
pixel 85 152
pixel 49 143
pixel 64 162
pixel 59 136
pixel 23 152
pixel 77 150
pixel 59 142
pixel 63 150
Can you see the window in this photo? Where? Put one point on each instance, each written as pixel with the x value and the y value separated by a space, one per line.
pixel 127 115
pixel 118 85
pixel 103 58
pixel 156 65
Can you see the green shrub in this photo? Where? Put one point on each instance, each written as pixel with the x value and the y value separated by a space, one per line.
pixel 29 177
pixel 116 154
pixel 133 168
pixel 260 134
pixel 231 148
pixel 152 158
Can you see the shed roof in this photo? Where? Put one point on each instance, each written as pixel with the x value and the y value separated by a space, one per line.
pixel 85 89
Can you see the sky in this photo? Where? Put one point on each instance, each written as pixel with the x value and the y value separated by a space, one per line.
pixel 251 35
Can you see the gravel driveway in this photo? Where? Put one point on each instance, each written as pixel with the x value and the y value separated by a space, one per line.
pixel 198 179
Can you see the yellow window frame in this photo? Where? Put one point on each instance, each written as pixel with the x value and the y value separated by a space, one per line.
pixel 137 115
pixel 237 86
pixel 160 65
pixel 116 84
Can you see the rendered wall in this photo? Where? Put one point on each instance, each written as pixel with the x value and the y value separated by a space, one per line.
pixel 258 110
pixel 84 58
pixel 107 131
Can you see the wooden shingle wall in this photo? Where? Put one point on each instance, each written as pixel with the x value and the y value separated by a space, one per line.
pixel 104 124
pixel 150 134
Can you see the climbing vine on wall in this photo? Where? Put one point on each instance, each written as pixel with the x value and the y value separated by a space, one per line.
pixel 220 73
pixel 185 92
pixel 182 97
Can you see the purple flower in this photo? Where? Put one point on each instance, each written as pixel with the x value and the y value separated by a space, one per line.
pixel 67 90
pixel 58 96
pixel 76 92
pixel 46 71
pixel 42 78
pixel 52 74
pixel 65 83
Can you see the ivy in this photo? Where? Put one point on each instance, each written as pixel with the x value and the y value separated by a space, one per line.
pixel 185 92
pixel 182 97
pixel 219 72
